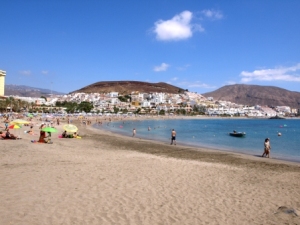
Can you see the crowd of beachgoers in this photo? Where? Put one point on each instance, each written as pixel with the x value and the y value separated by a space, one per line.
pixel 11 122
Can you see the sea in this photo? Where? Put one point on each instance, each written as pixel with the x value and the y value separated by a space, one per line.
pixel 284 134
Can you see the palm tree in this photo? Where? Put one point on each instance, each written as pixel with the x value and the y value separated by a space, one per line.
pixel 10 101
pixel 2 106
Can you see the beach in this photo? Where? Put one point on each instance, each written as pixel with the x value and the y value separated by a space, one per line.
pixel 106 178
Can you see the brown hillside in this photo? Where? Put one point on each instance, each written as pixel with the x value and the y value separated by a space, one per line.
pixel 126 87
pixel 256 95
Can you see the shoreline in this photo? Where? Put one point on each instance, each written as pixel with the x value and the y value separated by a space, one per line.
pixel 210 148
pixel 192 151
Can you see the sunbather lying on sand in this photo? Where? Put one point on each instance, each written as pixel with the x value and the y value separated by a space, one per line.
pixel 8 135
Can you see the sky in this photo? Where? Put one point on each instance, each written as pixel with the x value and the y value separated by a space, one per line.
pixel 65 45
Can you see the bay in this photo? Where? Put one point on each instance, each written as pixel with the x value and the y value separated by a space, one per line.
pixel 214 134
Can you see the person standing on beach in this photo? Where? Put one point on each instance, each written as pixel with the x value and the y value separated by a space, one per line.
pixel 133 132
pixel 267 148
pixel 6 122
pixel 173 137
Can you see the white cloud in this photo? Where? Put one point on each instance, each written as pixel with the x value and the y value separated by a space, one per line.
pixel 162 67
pixel 45 72
pixel 182 68
pixel 212 14
pixel 196 84
pixel 174 78
pixel 198 27
pixel 177 28
pixel 202 85
pixel 277 74
pixel 180 27
pixel 25 72
pixel 230 82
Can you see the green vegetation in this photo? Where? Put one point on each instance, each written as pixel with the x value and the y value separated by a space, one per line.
pixel 72 107
pixel 162 112
pixel 15 105
pixel 124 98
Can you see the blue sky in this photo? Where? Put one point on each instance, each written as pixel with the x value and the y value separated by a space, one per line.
pixel 201 46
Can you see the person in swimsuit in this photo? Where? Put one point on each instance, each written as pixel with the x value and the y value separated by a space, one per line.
pixel 8 135
pixel 173 137
pixel 267 148
pixel 64 134
pixel 6 123
pixel 42 138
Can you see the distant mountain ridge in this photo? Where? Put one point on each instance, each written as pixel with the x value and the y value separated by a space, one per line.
pixel 256 95
pixel 126 87
pixel 238 93
pixel 26 91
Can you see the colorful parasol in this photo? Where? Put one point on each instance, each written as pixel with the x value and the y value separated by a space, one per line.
pixel 70 128
pixel 19 121
pixel 49 129
pixel 14 126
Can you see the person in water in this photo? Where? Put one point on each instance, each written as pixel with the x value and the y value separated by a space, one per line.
pixel 173 137
pixel 267 148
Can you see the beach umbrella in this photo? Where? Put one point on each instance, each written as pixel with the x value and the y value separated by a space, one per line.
pixel 14 126
pixel 19 121
pixel 70 128
pixel 49 129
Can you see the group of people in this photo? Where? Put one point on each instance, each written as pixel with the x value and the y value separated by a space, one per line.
pixel 267 145
pixel 66 135
pixel 173 135
pixel 7 135
pixel 44 138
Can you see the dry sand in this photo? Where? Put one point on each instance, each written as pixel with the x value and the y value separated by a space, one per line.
pixel 105 178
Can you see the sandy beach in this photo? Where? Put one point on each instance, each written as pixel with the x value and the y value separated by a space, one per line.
pixel 106 178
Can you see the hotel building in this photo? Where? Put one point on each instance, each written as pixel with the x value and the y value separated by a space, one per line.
pixel 2 82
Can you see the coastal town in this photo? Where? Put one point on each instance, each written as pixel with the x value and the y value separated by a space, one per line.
pixel 187 103
pixel 138 103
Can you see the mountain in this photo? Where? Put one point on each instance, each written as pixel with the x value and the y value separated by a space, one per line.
pixel 256 95
pixel 26 91
pixel 126 87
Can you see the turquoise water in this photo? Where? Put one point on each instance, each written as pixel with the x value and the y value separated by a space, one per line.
pixel 213 133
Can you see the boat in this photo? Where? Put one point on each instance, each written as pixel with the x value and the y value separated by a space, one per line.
pixel 276 117
pixel 237 134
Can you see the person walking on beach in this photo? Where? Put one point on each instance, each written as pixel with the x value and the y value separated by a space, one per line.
pixel 133 132
pixel 267 148
pixel 173 137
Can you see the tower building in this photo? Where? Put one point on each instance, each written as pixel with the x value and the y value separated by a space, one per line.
pixel 2 82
